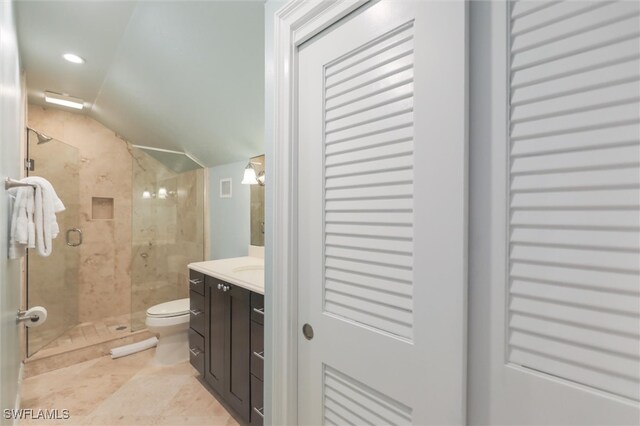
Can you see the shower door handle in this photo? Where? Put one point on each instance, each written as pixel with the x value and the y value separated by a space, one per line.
pixel 69 231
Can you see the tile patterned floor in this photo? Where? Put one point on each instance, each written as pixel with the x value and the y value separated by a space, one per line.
pixel 126 391
pixel 87 333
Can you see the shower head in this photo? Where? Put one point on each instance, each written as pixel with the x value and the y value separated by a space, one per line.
pixel 42 138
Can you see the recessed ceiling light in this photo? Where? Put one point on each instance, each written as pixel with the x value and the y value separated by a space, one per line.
pixel 71 57
pixel 68 101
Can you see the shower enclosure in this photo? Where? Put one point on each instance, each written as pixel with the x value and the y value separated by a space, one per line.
pixel 136 234
pixel 53 281
pixel 167 227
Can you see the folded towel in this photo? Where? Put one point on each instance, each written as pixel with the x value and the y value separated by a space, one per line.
pixel 46 205
pixel 19 232
pixel 34 223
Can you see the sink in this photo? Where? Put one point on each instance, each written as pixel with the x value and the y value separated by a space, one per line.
pixel 249 273
pixel 248 268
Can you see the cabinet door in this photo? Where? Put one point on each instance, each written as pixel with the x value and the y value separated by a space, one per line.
pixel 215 331
pixel 238 350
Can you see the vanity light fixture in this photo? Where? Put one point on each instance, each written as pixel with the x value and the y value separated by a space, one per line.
pixel 146 194
pixel 73 58
pixel 162 193
pixel 250 177
pixel 64 100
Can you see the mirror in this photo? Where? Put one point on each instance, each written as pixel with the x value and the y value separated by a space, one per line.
pixel 257 205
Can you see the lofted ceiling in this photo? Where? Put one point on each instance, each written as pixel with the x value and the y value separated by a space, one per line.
pixel 178 75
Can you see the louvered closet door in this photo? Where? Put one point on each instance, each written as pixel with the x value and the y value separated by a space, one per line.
pixel 381 236
pixel 571 353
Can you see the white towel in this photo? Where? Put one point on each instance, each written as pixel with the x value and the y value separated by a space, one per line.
pixel 37 208
pixel 20 220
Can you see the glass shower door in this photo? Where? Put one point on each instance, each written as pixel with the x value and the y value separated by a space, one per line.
pixel 167 228
pixel 52 281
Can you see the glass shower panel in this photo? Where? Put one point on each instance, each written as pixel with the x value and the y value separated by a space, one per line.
pixel 52 281
pixel 167 232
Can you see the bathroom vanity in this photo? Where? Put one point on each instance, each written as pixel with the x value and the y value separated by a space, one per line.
pixel 226 340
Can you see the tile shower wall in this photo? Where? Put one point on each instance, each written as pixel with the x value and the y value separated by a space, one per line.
pixel 168 233
pixel 104 284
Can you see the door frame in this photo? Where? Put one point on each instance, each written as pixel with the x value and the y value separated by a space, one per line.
pixel 294 23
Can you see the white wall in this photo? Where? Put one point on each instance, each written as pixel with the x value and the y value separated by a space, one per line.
pixel 229 217
pixel 11 132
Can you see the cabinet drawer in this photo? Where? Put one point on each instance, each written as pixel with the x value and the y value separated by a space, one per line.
pixel 196 351
pixel 257 307
pixel 196 317
pixel 257 402
pixel 196 281
pixel 257 350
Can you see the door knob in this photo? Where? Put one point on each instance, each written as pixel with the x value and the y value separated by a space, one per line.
pixel 307 331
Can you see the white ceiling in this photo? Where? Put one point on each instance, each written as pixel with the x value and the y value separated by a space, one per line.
pixel 180 75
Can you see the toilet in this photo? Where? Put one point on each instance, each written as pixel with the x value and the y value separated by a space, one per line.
pixel 170 322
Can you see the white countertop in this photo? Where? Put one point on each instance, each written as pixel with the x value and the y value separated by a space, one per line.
pixel 247 272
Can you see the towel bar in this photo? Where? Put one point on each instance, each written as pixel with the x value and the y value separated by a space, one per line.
pixel 10 183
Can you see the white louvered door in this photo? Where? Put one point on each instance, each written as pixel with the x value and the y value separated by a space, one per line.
pixel 566 347
pixel 381 217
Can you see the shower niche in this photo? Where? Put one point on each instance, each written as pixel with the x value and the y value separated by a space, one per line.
pixel 102 208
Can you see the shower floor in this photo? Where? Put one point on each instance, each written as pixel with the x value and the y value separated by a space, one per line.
pixel 87 340
pixel 89 333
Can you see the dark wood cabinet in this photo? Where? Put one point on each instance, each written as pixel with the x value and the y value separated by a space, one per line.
pixel 215 334
pixel 226 343
pixel 196 321
pixel 196 350
pixel 257 359
pixel 237 349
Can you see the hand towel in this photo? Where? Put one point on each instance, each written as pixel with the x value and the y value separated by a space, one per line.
pixel 46 205
pixel 19 231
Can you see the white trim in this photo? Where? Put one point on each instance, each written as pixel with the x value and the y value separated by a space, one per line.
pixel 170 151
pixel 151 148
pixel 294 23
pixel 195 160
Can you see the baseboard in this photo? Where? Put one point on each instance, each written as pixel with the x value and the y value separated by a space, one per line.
pixel 19 392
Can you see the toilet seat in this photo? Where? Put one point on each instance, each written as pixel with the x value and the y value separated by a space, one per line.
pixel 170 309
pixel 170 322
pixel 174 320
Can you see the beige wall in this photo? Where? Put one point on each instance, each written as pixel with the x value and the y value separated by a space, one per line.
pixel 104 287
